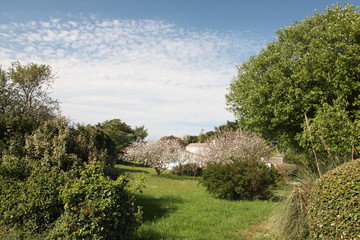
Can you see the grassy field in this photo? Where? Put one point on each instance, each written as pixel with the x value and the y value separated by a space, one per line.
pixel 179 208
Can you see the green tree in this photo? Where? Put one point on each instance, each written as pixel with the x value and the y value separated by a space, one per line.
pixel 122 134
pixel 140 133
pixel 312 67
pixel 32 82
pixel 25 102
pixel 187 139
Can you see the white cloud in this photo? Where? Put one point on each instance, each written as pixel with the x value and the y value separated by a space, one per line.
pixel 145 72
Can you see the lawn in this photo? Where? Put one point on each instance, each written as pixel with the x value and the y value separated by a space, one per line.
pixel 179 208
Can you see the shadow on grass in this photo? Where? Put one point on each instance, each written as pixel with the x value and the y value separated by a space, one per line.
pixel 156 208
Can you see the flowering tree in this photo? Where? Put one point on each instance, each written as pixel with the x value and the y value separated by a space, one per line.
pixel 158 154
pixel 239 145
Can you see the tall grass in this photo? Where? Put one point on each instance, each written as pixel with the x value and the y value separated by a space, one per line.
pixel 176 207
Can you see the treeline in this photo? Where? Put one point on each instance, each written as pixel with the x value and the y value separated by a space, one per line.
pixel 57 179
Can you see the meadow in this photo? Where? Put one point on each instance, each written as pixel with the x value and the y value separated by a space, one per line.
pixel 178 207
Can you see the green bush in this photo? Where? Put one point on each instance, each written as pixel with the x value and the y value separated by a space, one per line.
pixel 34 204
pixel 240 180
pixel 189 169
pixel 334 207
pixel 96 207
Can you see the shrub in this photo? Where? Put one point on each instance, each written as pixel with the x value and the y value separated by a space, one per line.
pixel 189 169
pixel 334 207
pixel 240 180
pixel 31 205
pixel 96 207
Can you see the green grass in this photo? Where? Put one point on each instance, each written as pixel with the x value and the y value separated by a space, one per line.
pixel 179 208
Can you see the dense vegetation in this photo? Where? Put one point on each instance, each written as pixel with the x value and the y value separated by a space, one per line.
pixel 301 93
pixel 310 68
pixel 334 205
pixel 241 180
pixel 55 177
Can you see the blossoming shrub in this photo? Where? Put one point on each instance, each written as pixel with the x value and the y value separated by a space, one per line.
pixel 240 180
pixel 96 207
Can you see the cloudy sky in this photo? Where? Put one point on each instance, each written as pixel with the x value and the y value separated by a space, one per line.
pixel 165 64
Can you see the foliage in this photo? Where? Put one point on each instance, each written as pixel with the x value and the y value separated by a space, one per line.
pixel 187 139
pixel 188 169
pixel 158 154
pixel 291 221
pixel 240 180
pixel 34 204
pixel 96 207
pixel 57 145
pixel 32 82
pixel 310 68
pixel 290 171
pixel 236 145
pixel 334 135
pixel 229 126
pixel 43 159
pixel 24 103
pixel 334 206
pixel 122 134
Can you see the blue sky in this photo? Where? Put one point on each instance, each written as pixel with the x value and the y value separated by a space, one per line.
pixel 164 64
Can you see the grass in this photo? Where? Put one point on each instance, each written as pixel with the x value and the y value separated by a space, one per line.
pixel 179 208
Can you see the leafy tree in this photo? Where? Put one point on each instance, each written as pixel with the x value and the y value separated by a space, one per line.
pixel 32 82
pixel 140 133
pixel 312 67
pixel 187 139
pixel 24 102
pixel 229 126
pixel 122 134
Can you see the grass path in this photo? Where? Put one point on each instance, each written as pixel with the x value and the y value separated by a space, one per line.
pixel 179 208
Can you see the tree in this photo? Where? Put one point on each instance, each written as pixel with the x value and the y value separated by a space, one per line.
pixel 229 126
pixel 187 139
pixel 312 67
pixel 122 134
pixel 32 82
pixel 140 133
pixel 173 138
pixel 158 154
pixel 242 146
pixel 25 102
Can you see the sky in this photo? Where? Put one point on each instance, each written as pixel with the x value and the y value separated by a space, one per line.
pixel 164 64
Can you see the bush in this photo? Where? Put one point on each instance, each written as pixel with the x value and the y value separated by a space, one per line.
pixel 96 207
pixel 189 169
pixel 31 205
pixel 334 207
pixel 240 180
